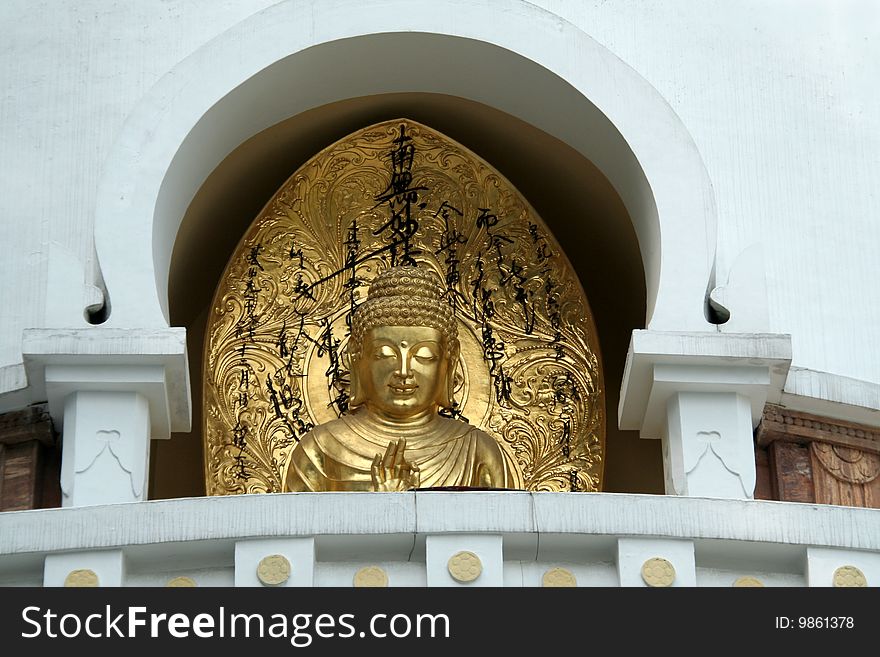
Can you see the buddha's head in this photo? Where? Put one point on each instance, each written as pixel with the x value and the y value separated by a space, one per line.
pixel 403 346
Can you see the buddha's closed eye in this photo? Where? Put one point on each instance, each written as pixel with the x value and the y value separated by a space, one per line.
pixel 425 354
pixel 385 352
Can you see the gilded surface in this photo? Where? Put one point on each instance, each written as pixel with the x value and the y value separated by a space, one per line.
pixel 528 373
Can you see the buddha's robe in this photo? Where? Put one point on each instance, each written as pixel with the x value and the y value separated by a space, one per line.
pixel 338 456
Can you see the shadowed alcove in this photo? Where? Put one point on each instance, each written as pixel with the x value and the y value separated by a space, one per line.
pixel 575 200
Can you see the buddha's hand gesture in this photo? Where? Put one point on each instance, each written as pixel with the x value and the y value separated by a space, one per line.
pixel 392 472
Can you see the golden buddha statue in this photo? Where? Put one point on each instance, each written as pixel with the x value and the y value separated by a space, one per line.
pixel 402 350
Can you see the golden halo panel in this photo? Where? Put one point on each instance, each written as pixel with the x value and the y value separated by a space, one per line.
pixel 275 363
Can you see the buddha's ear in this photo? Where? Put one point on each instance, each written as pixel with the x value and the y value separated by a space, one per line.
pixel 354 398
pixel 448 391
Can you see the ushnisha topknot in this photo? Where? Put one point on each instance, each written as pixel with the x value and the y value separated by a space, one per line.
pixel 405 296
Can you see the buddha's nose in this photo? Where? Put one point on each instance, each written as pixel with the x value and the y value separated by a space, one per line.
pixel 405 370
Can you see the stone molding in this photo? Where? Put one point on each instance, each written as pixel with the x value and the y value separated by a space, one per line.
pixel 396 519
pixel 752 364
pixel 152 362
pixel 781 423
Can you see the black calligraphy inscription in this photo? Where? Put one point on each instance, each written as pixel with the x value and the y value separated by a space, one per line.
pixel 245 331
pixel 488 220
pixel 565 398
pixel 338 382
pixel 297 254
pixel 287 404
pixel 246 327
pixel 554 315
pixel 239 470
pixel 512 275
pixel 494 349
pixel 401 197
pixel 566 438
pixel 551 293
pixel 450 240
pixel 352 283
pixel 540 242
pixel 516 278
pixel 285 399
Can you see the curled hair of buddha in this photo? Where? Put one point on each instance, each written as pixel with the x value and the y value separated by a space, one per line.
pixel 405 296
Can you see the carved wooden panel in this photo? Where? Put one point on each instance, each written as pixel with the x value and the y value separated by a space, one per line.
pixel 846 476
pixel 793 470
pixel 763 486
pixel 820 459
pixel 29 460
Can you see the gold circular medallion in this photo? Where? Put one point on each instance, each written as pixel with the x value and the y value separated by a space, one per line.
pixel 658 572
pixel 465 566
pixel 849 576
pixel 748 581
pixel 81 578
pixel 180 582
pixel 371 576
pixel 273 570
pixel 559 577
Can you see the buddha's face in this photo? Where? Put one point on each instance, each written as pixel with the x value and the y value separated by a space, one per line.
pixel 402 370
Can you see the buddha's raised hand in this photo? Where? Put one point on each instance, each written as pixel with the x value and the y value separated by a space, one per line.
pixel 392 472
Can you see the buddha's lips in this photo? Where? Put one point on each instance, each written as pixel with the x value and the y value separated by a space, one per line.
pixel 404 389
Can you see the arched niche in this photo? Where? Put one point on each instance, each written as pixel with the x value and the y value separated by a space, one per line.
pixel 300 55
pixel 576 200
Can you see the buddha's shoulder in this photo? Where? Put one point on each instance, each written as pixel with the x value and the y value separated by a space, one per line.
pixel 463 429
pixel 326 431
pixel 339 424
pixel 487 444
